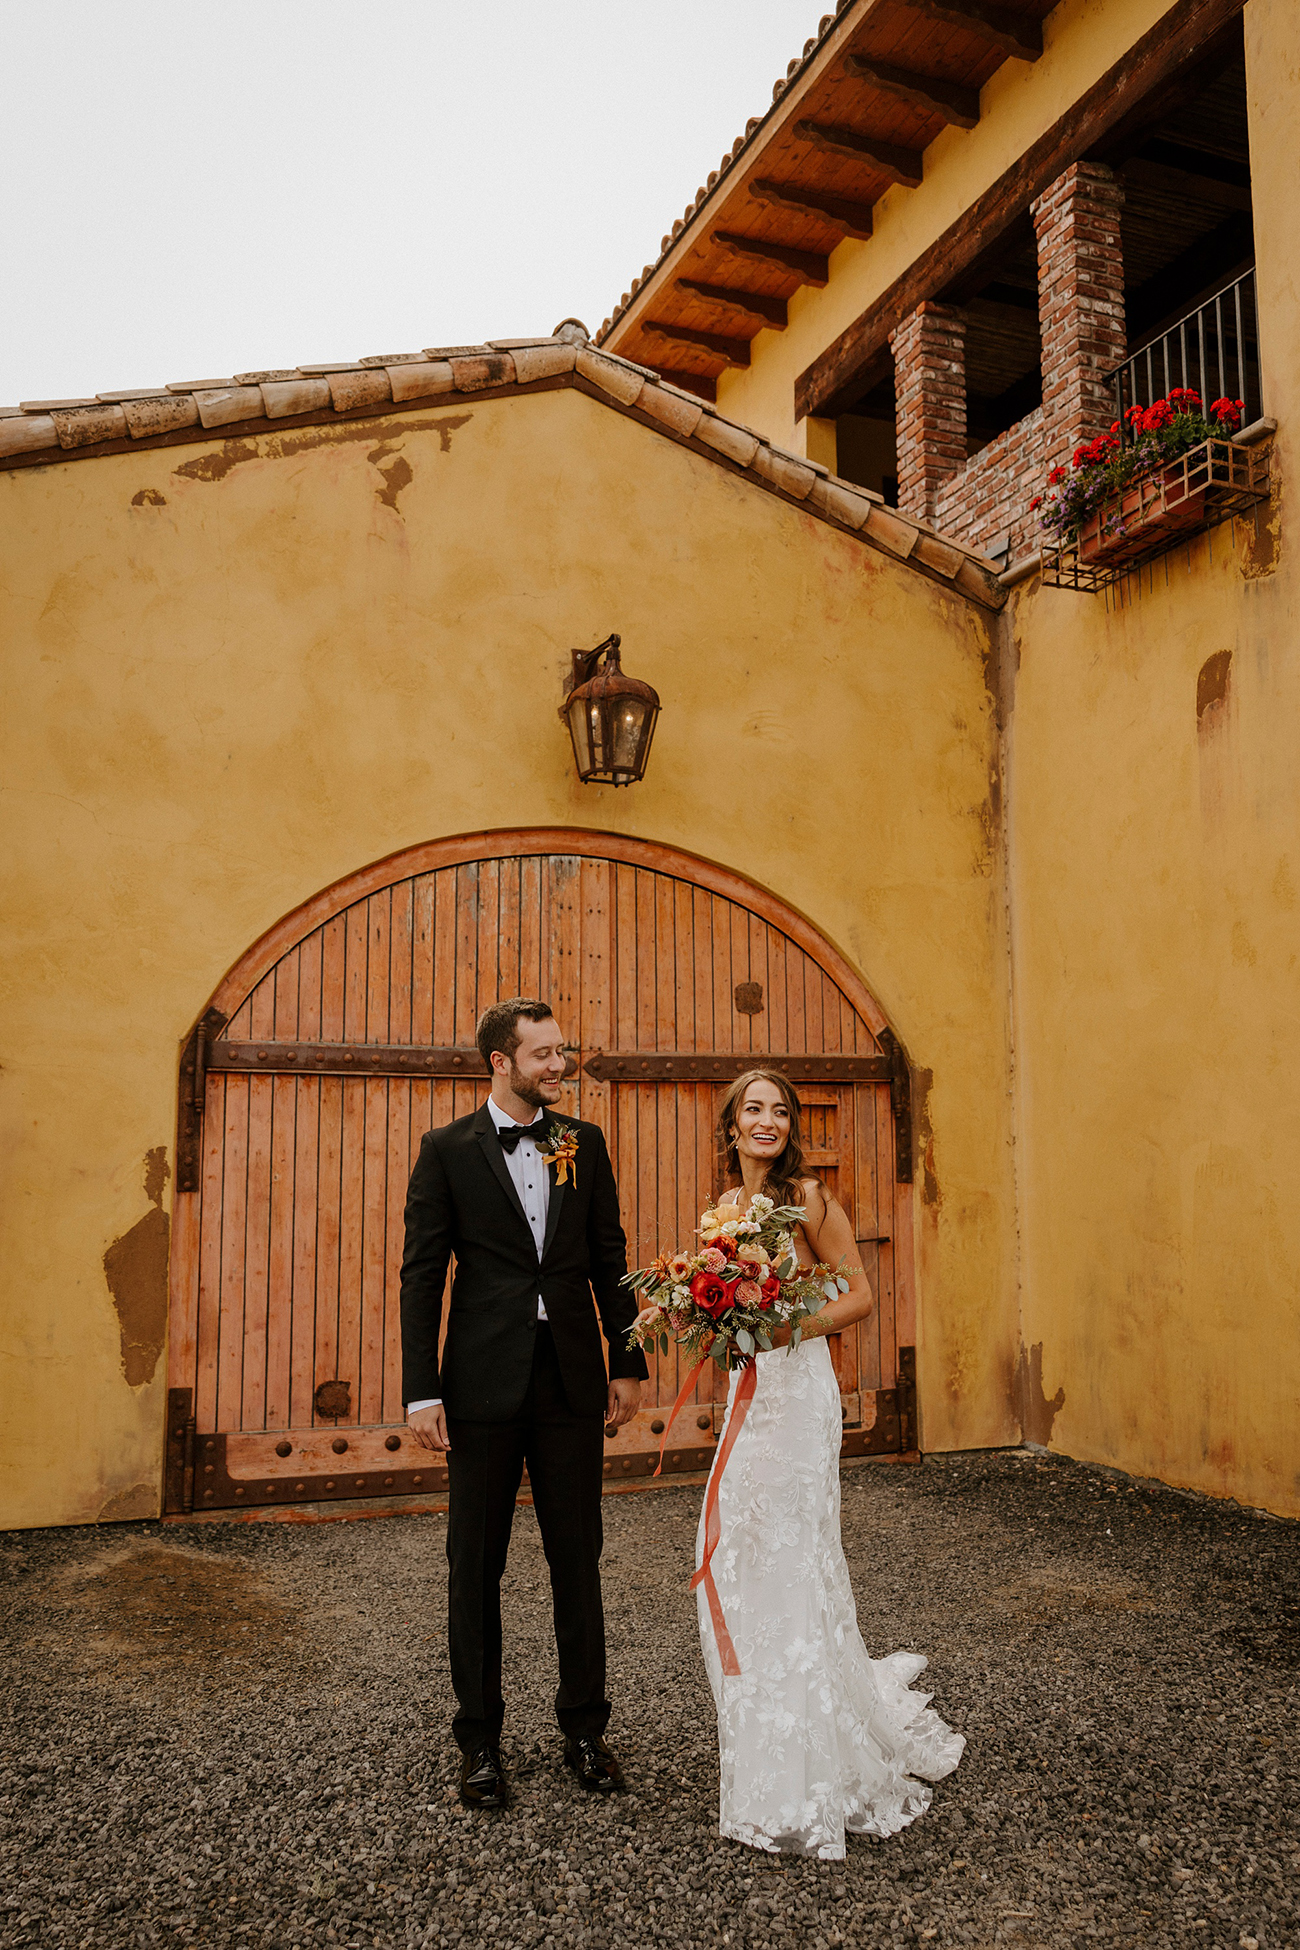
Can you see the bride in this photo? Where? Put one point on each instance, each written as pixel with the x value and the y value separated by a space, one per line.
pixel 815 1737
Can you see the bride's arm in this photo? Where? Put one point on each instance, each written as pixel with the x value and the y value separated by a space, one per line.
pixel 830 1237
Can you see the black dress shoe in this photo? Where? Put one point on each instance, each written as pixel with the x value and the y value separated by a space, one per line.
pixel 482 1783
pixel 593 1763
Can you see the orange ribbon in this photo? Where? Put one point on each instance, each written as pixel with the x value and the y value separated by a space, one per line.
pixel 713 1523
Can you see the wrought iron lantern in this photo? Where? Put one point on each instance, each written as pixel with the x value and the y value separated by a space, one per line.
pixel 611 718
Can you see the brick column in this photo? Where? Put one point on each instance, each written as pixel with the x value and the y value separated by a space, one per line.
pixel 1080 305
pixel 930 394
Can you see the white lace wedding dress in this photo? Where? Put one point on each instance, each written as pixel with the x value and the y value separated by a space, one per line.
pixel 815 1737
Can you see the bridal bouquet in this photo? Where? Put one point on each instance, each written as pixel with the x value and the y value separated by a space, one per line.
pixel 723 1301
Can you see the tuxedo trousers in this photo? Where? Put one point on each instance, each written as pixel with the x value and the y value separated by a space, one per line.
pixel 565 1457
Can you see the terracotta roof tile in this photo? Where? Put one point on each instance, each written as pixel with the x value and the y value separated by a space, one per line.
pixel 295 395
pixel 224 404
pixel 264 378
pixel 86 426
pixel 359 386
pixel 195 385
pixel 542 361
pixel 614 376
pixel 147 417
pixel 424 380
pixel 28 434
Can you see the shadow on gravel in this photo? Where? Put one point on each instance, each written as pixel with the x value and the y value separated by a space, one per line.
pixel 148 1606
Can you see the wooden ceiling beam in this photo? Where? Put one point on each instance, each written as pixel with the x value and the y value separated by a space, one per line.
pixel 958 106
pixel 770 310
pixel 852 217
pixel 1013 33
pixel 734 352
pixel 809 266
pixel 837 374
pixel 901 165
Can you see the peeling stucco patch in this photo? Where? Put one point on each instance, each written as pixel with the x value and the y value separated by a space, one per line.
pixel 140 1500
pixel 283 446
pixel 396 475
pixel 922 1084
pixel 148 498
pixel 135 1267
pixel 1036 1413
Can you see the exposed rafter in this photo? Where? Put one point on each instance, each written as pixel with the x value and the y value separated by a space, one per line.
pixel 735 352
pixel 1013 33
pixel 957 105
pixel 854 218
pixel 807 265
pixel 902 165
pixel 770 310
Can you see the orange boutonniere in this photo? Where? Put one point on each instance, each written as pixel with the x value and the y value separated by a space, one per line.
pixel 562 1151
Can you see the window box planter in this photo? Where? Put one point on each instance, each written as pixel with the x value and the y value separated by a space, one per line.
pixel 1159 509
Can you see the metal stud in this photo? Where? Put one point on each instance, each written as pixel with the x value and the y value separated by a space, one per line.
pixel 339 1445
pixel 284 1448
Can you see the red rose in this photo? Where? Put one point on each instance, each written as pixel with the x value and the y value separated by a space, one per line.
pixel 710 1294
pixel 769 1291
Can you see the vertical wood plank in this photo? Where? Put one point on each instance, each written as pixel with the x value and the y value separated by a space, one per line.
pixel 724 999
pixel 368 1384
pixel 466 985
pixel 887 1298
pixel 285 975
pixel 352 1206
pixel 422 959
pixel 401 969
pixel 531 881
pixel 356 983
pixel 596 998
pixel 488 986
pixel 398 1132
pixel 334 978
pixel 310 973
pixel 508 958
pixel 307 1193
pixel 183 1295
pixel 212 1224
pixel 280 1224
pixel 446 931
pixel 234 1207
pixel 778 1034
pixel 329 1210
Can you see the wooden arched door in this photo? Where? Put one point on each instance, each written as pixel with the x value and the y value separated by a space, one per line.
pixel 347 1032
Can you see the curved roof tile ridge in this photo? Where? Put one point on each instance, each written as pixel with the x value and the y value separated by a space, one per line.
pixel 41 432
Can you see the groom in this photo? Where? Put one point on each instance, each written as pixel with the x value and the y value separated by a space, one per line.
pixel 529 1207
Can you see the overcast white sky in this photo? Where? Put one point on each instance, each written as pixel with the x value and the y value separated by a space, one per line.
pixel 191 189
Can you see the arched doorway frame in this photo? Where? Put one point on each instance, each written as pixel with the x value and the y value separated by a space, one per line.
pixel 430 856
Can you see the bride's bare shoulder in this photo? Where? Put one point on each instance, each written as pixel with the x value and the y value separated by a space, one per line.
pixel 814 1199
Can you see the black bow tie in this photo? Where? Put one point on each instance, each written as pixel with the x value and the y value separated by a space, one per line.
pixel 510 1134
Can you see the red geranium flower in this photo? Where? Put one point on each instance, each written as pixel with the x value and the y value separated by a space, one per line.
pixel 1227 411
pixel 1037 502
pixel 1057 475
pixel 711 1294
pixel 1157 416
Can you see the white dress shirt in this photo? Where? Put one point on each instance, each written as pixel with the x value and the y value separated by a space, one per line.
pixel 532 1181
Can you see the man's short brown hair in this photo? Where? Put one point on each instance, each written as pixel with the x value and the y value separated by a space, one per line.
pixel 498 1027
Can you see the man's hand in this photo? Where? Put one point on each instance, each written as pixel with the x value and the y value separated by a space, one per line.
pixel 429 1427
pixel 624 1400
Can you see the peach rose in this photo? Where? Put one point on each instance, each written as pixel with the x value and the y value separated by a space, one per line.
pixel 754 1253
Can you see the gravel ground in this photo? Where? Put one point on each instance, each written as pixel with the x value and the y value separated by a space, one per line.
pixel 236 1734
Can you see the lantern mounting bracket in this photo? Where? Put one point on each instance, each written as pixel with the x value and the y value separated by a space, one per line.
pixel 584 665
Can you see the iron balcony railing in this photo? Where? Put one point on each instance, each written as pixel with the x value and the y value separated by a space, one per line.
pixel 1214 350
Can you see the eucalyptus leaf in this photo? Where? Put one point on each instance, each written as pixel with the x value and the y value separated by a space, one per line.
pixel 744 1340
pixel 842 1283
pixel 785 1269
pixel 764 1340
pixel 830 1289
pixel 796 1336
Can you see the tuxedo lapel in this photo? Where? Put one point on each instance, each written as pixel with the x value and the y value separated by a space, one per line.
pixel 556 1200
pixel 485 1132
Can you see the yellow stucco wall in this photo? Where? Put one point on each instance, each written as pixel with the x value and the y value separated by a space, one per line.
pixel 1082 40
pixel 1155 890
pixel 239 671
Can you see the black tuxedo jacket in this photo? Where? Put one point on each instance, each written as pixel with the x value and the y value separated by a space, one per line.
pixel 462 1200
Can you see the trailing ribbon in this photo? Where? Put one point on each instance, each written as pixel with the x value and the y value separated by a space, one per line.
pixel 713 1523
pixel 680 1404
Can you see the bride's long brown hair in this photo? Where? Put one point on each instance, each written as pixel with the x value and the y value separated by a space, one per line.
pixel 783 1178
